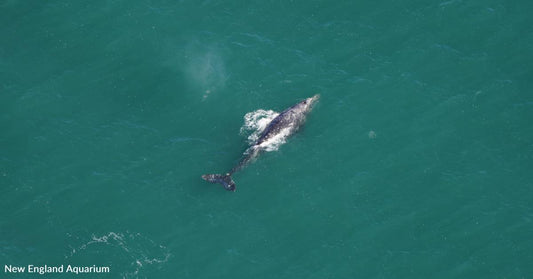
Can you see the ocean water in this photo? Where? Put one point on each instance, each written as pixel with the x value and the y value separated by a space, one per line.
pixel 416 162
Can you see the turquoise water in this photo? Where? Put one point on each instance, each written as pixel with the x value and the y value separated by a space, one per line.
pixel 416 162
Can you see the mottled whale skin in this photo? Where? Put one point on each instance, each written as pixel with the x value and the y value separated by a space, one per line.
pixel 282 126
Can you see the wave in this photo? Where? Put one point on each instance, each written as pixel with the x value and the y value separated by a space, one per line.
pixel 134 248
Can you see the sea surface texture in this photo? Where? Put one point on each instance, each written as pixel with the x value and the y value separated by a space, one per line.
pixel 417 161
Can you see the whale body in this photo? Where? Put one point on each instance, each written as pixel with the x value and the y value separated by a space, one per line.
pixel 282 126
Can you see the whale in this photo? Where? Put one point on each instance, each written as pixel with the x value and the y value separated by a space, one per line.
pixel 278 129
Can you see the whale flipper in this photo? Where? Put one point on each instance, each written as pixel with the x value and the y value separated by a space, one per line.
pixel 224 179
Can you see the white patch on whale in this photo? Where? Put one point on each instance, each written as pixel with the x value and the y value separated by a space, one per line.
pixel 273 143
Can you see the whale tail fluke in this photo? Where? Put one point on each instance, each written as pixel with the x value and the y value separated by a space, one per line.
pixel 224 179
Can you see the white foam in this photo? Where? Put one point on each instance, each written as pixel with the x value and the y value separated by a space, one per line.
pixel 139 250
pixel 255 123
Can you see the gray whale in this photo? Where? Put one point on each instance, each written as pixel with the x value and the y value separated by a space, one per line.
pixel 283 125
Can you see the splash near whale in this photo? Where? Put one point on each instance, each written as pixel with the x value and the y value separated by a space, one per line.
pixel 272 130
